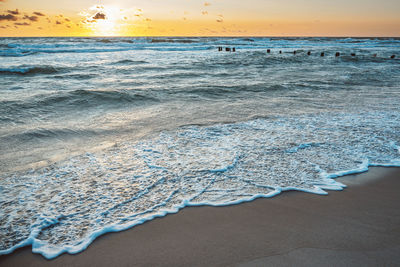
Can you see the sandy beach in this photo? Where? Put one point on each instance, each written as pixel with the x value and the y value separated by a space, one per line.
pixel 359 226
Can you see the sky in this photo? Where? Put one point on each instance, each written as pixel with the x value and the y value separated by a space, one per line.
pixel 200 18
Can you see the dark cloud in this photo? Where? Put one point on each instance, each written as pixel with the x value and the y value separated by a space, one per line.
pixel 13 12
pixel 220 20
pixel 58 22
pixel 22 23
pixel 8 17
pixel 99 16
pixel 3 27
pixel 39 14
pixel 31 18
pixel 68 20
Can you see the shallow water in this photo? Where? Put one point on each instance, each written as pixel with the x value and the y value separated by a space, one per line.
pixel 99 135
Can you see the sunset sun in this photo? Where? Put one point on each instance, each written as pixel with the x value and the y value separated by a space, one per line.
pixel 104 20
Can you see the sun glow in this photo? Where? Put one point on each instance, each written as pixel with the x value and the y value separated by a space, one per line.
pixel 105 20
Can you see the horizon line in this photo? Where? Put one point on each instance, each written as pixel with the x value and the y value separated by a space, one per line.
pixel 204 36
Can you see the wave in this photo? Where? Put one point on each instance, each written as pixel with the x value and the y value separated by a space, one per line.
pixel 99 97
pixel 60 103
pixel 169 40
pixel 18 53
pixel 44 133
pixel 5 46
pixel 129 62
pixel 29 70
pixel 216 91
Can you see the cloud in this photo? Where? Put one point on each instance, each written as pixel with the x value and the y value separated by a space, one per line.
pixel 13 12
pixel 207 4
pixel 220 20
pixel 22 23
pixel 8 17
pixel 58 22
pixel 99 15
pixel 31 18
pixel 67 20
pixel 204 12
pixel 39 14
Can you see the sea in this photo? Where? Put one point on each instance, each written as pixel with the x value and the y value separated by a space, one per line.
pixel 101 134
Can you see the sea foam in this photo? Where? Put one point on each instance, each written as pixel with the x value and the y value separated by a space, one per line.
pixel 65 206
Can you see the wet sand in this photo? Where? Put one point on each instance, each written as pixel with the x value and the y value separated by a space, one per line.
pixel 359 226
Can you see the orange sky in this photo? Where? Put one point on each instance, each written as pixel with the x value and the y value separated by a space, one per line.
pixel 200 18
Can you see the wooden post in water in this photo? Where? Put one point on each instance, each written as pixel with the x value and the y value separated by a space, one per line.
pixel 337 54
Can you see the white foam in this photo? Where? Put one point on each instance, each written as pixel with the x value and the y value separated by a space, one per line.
pixel 67 205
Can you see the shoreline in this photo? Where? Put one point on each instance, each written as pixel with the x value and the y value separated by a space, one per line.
pixel 357 226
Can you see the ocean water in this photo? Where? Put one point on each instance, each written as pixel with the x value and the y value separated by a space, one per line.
pixel 100 134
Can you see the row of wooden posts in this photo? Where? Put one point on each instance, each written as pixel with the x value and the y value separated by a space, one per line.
pixel 337 54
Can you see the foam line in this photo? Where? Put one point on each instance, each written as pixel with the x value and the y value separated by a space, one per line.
pixel 226 164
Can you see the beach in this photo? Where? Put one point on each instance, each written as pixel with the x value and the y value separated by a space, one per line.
pixel 358 226
pixel 111 134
